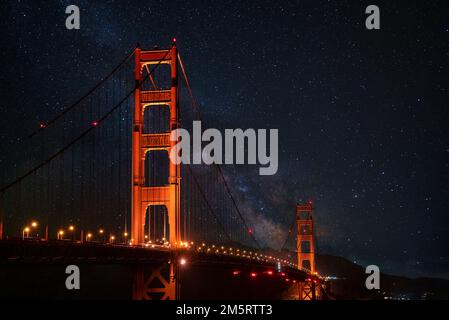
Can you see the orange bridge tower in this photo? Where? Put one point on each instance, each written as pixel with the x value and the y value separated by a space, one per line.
pixel 168 195
pixel 305 243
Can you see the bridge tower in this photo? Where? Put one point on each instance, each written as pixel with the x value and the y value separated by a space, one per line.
pixel 167 195
pixel 305 243
pixel 308 290
pixel 155 281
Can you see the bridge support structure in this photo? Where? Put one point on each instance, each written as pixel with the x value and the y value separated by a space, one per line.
pixel 305 242
pixel 308 289
pixel 167 195
pixel 155 282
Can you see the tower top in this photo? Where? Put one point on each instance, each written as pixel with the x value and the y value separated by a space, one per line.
pixel 304 207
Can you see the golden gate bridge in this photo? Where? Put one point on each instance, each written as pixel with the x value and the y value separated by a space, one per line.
pixel 96 181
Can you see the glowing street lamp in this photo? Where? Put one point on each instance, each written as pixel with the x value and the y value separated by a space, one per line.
pixel 111 239
pixel 26 231
pixel 60 234
pixel 182 262
pixel 101 233
pixel 89 236
pixel 72 229
pixel 33 225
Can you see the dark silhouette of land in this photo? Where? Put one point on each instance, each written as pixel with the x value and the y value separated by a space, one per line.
pixel 351 282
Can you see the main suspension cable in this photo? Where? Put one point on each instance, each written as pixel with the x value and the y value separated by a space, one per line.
pixel 88 93
pixel 86 132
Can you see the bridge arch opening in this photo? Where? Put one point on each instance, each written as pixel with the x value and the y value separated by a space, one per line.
pixel 305 246
pixel 305 229
pixel 160 78
pixel 156 168
pixel 157 228
pixel 306 265
pixel 304 215
pixel 156 119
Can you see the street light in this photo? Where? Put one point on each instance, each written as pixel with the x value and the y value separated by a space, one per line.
pixel 60 234
pixel 33 225
pixel 26 231
pixel 71 229
pixel 111 239
pixel 182 262
pixel 101 232
pixel 88 236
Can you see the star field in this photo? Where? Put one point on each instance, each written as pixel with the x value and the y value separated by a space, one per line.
pixel 362 115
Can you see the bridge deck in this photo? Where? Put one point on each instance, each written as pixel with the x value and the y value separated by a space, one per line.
pixel 36 251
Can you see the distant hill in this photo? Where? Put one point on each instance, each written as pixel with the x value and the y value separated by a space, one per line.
pixel 351 282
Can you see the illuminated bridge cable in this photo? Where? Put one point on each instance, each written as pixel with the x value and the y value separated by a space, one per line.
pixel 195 103
pixel 207 203
pixel 237 208
pixel 197 109
pixel 83 134
pixel 88 93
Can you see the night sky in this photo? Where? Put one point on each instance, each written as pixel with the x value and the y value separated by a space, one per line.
pixel 362 115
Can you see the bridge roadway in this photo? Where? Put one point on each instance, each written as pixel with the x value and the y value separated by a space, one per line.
pixel 205 270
